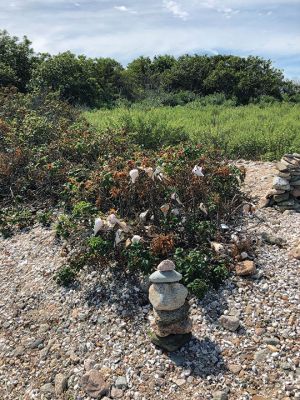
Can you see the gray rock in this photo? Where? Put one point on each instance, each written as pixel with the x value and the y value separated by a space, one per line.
pixel 94 384
pixel 229 322
pixel 261 355
pixel 166 265
pixel 116 393
pixel 61 384
pixel 48 388
pixel 281 197
pixel 167 296
pixel 272 340
pixel 169 317
pixel 165 277
pixel 281 183
pixel 36 343
pixel 121 382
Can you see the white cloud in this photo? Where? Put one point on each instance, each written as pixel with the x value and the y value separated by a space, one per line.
pixel 176 9
pixel 125 9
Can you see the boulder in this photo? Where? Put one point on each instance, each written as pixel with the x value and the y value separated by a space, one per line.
pixel 169 317
pixel 167 296
pixel 180 327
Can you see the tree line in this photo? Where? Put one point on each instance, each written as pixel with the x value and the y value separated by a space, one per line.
pixel 104 82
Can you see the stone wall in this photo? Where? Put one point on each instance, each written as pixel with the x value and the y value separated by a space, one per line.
pixel 285 194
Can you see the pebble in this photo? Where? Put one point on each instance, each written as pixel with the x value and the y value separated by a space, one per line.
pixel 229 322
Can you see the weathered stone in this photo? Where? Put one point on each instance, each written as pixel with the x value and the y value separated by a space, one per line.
pixel 166 265
pixel 271 239
pixel 281 183
pixel 229 322
pixel 165 277
pixel 169 317
pixel 121 382
pixel 61 384
pixel 285 175
pixel 116 393
pixel 296 183
pixel 261 355
pixel 175 328
pixel 167 296
pixel 245 268
pixel 94 384
pixel 234 368
pixel 48 388
pixel 295 252
pixel 281 197
pixel 281 167
pixel 272 192
pixel 171 342
pixel 296 193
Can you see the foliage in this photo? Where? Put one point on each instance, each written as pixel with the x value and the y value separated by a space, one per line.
pixel 59 161
pixel 17 61
pixel 161 81
pixel 261 131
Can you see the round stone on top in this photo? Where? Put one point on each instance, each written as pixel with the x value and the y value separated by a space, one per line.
pixel 166 265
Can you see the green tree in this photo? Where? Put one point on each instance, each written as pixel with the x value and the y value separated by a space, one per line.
pixel 17 61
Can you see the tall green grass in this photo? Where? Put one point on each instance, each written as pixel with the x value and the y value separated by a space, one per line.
pixel 251 132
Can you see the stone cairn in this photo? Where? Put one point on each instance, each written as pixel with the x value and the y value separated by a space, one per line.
pixel 171 326
pixel 285 194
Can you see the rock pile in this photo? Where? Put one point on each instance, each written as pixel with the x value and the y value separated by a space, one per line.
pixel 171 326
pixel 285 194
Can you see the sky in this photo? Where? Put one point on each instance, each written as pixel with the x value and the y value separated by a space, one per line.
pixel 125 29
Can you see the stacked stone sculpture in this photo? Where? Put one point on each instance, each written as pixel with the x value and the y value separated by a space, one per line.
pixel 285 194
pixel 171 326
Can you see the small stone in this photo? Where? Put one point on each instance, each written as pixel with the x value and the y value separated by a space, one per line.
pixel 260 331
pixel 272 348
pixel 220 396
pixel 121 382
pixel 261 355
pixel 273 341
pixel 169 317
pixel 167 297
pixel 94 384
pixel 234 368
pixel 171 342
pixel 36 343
pixel 48 388
pixel 271 239
pixel 295 252
pixel 88 364
pixel 229 322
pixel 165 277
pixel 281 183
pixel 116 393
pixel 61 384
pixel 281 197
pixel 179 382
pixel 259 397
pixel 245 268
pixel 296 193
pixel 166 265
pixel 176 328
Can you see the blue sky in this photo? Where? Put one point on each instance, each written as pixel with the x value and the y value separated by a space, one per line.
pixel 125 29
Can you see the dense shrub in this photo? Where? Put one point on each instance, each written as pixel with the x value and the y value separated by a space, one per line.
pixel 173 206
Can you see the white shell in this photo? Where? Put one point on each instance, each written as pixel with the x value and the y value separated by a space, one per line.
pixel 203 208
pixel 136 239
pixel 112 220
pixel 124 226
pixel 198 170
pixel 134 173
pixel 174 196
pixel 143 215
pixel 98 225
pixel 175 211
pixel 119 236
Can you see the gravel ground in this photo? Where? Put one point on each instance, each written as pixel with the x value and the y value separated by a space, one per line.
pixel 46 330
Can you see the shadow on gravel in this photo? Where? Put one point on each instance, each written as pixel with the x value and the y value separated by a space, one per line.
pixel 202 357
